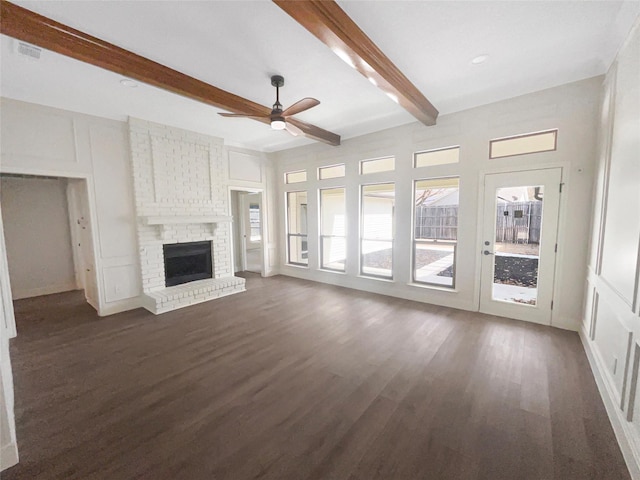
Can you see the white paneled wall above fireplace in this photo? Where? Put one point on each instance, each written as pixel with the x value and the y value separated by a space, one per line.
pixel 180 182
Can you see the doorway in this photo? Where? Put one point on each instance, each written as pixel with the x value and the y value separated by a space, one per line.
pixel 49 244
pixel 247 213
pixel 518 250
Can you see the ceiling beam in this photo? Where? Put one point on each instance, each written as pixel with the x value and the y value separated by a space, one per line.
pixel 28 26
pixel 327 21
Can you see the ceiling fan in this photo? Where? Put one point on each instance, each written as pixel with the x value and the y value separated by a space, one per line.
pixel 279 118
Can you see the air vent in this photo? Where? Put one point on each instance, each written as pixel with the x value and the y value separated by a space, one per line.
pixel 27 50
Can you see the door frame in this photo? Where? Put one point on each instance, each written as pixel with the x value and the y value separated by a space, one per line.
pixel 565 180
pixel 91 209
pixel 243 250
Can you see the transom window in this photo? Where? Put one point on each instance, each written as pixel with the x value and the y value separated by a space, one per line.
pixel 295 177
pixel 332 171
pixel 523 144
pixel 440 156
pixel 377 165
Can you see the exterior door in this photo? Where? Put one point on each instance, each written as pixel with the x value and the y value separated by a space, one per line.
pixel 519 244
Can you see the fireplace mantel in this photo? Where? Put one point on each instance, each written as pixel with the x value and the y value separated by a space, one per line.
pixel 162 222
pixel 182 219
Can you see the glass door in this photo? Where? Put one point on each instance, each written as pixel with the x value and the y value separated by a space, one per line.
pixel 519 244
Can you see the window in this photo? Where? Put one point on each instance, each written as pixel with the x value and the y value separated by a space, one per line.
pixel 435 231
pixel 254 222
pixel 333 171
pixel 333 244
pixel 522 144
pixel 376 243
pixel 377 165
pixel 297 250
pixel 440 156
pixel 295 177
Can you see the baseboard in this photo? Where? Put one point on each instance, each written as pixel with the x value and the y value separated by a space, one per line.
pixel 8 456
pixel 19 294
pixel 621 428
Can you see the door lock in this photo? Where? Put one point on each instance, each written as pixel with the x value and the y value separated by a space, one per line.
pixel 487 252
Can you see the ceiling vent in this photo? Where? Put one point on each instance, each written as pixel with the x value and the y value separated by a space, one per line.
pixel 27 50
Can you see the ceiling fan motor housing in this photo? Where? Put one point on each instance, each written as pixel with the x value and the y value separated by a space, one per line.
pixel 277 81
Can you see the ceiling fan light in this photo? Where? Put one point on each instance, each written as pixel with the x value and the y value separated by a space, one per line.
pixel 278 123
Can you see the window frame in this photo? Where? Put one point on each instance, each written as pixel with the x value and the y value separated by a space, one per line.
pixel 288 233
pixel 286 176
pixel 367 160
pixel 362 239
pixel 322 237
pixel 415 241
pixel 433 150
pixel 524 135
pixel 344 174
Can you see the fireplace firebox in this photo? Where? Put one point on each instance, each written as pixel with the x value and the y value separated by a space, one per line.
pixel 187 262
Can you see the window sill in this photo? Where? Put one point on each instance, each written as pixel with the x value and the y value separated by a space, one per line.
pixel 433 287
pixel 379 279
pixel 292 265
pixel 328 270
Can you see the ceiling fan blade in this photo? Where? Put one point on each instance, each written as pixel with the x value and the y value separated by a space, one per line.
pixel 301 106
pixel 315 133
pixel 246 115
pixel 292 129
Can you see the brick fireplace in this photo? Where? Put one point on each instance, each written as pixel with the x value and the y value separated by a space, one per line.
pixel 180 186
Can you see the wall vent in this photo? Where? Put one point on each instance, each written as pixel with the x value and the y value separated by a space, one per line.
pixel 27 50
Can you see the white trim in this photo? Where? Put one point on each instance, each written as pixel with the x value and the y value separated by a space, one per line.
pixel 8 456
pixel 610 398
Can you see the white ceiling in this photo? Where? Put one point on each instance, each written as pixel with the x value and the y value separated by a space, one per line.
pixel 238 45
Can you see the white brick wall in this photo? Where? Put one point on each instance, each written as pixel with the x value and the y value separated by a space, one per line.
pixel 178 173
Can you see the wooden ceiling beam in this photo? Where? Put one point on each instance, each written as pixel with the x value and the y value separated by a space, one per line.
pixel 329 23
pixel 28 26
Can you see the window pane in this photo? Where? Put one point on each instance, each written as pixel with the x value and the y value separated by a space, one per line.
pixel 378 165
pixel 378 205
pixel 332 228
pixel 254 222
pixel 377 258
pixel 521 144
pixel 296 177
pixel 434 263
pixel 334 171
pixel 517 244
pixel 297 212
pixel 332 211
pixel 298 251
pixel 437 157
pixel 334 252
pixel 436 231
pixel 297 228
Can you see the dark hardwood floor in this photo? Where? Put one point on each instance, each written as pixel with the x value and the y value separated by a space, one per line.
pixel 299 380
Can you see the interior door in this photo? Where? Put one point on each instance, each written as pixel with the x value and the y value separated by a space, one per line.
pixel 518 250
pixel 83 240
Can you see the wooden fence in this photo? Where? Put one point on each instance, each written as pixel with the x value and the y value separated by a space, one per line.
pixel 517 222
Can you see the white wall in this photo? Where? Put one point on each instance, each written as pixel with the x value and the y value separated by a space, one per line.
pixel 37 235
pixel 570 108
pixel 40 140
pixel 611 323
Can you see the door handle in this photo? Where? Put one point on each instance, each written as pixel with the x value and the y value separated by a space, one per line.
pixel 487 252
